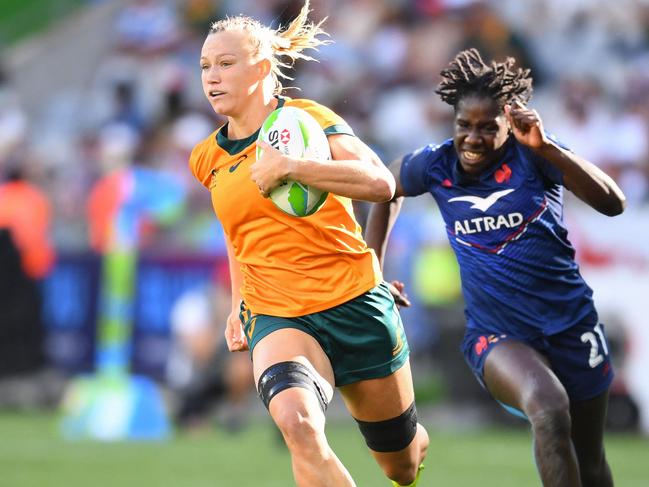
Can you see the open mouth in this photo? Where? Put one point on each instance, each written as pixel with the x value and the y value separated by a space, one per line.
pixel 471 156
pixel 215 94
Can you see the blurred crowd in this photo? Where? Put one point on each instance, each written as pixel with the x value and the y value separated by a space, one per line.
pixel 144 104
pixel 143 107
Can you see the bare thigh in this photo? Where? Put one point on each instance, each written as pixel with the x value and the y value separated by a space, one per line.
pixel 382 399
pixel 289 344
pixel 515 373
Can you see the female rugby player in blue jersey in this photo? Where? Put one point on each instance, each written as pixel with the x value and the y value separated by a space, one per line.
pixel 533 337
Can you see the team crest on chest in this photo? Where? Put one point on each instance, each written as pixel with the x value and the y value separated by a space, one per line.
pixel 503 175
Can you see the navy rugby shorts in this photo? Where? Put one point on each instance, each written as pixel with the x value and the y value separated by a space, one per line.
pixel 579 356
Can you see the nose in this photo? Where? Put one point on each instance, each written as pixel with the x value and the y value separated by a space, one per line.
pixel 473 137
pixel 212 75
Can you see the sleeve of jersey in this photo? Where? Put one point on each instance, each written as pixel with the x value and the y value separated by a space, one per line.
pixel 198 165
pixel 547 169
pixel 414 174
pixel 330 121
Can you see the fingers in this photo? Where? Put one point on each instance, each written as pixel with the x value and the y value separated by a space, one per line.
pixel 519 104
pixel 238 347
pixel 400 298
pixel 265 147
pixel 234 335
pixel 521 117
pixel 258 179
pixel 267 171
pixel 399 285
pixel 237 344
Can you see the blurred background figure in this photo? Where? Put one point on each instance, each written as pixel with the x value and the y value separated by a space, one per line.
pixel 26 258
pixel 125 207
pixel 209 382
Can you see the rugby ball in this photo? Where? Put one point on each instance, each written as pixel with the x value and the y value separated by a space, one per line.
pixel 296 133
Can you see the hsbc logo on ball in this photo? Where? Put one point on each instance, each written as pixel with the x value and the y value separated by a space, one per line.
pixel 285 136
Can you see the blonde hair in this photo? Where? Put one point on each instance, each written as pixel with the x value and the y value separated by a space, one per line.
pixel 281 46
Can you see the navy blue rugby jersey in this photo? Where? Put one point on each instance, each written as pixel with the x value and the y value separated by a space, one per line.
pixel 506 228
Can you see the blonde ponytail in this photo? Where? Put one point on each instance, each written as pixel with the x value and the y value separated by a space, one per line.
pixel 282 47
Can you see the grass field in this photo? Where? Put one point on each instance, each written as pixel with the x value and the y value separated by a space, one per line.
pixel 21 18
pixel 33 455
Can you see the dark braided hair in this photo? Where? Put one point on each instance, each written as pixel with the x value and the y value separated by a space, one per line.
pixel 468 74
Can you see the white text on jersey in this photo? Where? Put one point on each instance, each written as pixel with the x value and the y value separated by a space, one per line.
pixel 487 223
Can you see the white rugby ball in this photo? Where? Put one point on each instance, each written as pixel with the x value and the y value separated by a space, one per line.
pixel 296 133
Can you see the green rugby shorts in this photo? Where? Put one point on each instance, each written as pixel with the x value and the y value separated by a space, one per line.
pixel 363 337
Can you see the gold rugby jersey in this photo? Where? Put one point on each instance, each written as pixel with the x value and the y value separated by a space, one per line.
pixel 291 266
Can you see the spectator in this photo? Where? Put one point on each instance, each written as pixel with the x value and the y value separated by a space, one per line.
pixel 26 257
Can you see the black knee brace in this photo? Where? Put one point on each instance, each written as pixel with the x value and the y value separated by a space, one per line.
pixel 284 375
pixel 392 434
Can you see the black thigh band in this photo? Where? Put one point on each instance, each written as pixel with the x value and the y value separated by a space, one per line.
pixel 392 434
pixel 284 375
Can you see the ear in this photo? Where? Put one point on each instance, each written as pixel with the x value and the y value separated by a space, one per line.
pixel 264 67
pixel 507 117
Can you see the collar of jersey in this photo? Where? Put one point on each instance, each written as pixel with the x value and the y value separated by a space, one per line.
pixel 463 178
pixel 234 146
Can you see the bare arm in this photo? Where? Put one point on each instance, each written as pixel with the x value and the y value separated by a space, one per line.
pixel 234 334
pixel 380 222
pixel 354 171
pixel 588 182
pixel 236 278
pixel 383 216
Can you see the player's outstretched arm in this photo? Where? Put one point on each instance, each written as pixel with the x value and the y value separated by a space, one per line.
pixel 588 182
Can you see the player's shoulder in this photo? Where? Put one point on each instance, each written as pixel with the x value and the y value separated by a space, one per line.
pixel 305 104
pixel 330 121
pixel 207 144
pixel 201 159
pixel 434 153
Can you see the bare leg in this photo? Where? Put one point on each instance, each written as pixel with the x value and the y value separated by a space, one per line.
pixel 387 398
pixel 588 419
pixel 296 411
pixel 517 375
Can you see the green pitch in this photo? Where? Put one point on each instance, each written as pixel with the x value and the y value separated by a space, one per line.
pixel 21 18
pixel 33 454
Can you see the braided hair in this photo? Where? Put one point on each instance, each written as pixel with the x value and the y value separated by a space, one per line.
pixel 468 74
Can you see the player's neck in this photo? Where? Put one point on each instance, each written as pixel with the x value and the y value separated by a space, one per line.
pixel 249 121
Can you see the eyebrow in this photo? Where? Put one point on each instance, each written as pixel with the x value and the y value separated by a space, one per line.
pixel 219 55
pixel 480 123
